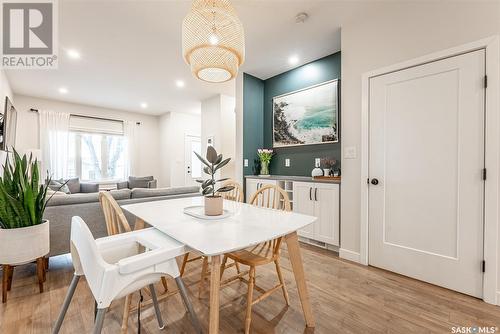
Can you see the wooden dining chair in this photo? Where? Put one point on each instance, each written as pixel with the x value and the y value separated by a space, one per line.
pixel 272 197
pixel 117 223
pixel 234 195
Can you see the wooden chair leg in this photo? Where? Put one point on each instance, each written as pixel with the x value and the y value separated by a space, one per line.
pixel 223 266
pixel 40 269
pixel 251 284
pixel 126 313
pixel 237 265
pixel 164 283
pixel 47 263
pixel 204 269
pixel 282 281
pixel 184 262
pixel 5 281
pixel 10 274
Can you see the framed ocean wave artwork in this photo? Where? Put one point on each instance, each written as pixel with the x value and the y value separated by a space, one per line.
pixel 306 117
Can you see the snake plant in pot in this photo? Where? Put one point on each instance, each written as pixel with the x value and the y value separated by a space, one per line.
pixel 213 163
pixel 24 235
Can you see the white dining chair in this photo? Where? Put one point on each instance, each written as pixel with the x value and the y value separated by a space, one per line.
pixel 118 265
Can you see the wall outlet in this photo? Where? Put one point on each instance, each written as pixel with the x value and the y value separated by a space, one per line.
pixel 245 162
pixel 317 162
pixel 350 152
pixel 287 162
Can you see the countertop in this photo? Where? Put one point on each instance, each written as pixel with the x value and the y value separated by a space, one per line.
pixel 291 178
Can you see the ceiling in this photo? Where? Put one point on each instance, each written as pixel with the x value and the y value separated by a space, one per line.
pixel 131 51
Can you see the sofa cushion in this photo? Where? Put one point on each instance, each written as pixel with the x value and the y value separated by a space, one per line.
pixel 120 194
pixel 89 187
pixel 73 185
pixel 51 192
pixel 139 182
pixel 73 199
pixel 143 193
pixel 58 185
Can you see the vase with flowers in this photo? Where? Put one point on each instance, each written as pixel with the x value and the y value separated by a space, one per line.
pixel 265 155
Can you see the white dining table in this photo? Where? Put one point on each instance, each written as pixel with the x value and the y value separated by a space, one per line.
pixel 246 225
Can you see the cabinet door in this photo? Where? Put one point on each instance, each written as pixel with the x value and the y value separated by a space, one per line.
pixel 326 208
pixel 251 188
pixel 303 203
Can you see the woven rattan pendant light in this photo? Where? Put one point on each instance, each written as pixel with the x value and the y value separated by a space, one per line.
pixel 213 42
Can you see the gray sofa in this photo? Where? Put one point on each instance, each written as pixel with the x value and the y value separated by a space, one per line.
pixel 61 208
pixel 74 186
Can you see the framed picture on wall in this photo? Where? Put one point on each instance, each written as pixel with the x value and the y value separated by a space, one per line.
pixel 306 117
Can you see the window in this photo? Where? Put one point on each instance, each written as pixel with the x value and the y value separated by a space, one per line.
pixel 94 155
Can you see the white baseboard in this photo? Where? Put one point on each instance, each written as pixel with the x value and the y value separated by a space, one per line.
pixel 349 255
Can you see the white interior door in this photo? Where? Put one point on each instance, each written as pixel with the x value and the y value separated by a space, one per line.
pixel 427 154
pixel 193 167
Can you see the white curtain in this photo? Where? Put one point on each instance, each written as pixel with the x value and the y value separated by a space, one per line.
pixel 130 131
pixel 54 137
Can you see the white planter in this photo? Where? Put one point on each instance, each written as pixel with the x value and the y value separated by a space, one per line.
pixel 25 244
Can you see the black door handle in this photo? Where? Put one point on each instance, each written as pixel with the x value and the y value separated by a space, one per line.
pixel 310 193
pixel 315 194
pixel 374 182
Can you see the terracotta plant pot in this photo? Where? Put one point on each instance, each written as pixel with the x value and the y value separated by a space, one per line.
pixel 25 244
pixel 213 206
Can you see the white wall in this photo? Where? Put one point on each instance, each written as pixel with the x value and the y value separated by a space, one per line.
pixel 173 129
pixel 390 33
pixel 148 132
pixel 5 89
pixel 218 120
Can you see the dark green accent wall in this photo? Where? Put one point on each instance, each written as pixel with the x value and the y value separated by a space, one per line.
pixel 253 119
pixel 257 111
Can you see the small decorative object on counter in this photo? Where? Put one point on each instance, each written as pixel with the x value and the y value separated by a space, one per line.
pixel 265 156
pixel 328 164
pixel 336 172
pixel 317 172
pixel 213 201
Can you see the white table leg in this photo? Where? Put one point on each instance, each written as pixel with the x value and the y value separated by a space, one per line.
pixel 292 241
pixel 213 327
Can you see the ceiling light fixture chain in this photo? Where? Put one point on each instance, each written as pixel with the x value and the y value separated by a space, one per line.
pixel 213 41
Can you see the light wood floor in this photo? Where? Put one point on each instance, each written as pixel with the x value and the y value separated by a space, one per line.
pixel 346 298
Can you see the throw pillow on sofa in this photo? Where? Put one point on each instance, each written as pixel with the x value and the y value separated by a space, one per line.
pixel 139 182
pixel 58 185
pixel 74 185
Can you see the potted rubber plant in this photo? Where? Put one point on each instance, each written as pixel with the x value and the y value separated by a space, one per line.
pixel 213 163
pixel 24 234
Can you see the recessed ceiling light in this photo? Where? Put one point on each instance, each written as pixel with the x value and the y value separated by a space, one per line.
pixel 63 90
pixel 301 17
pixel 144 105
pixel 293 60
pixel 72 53
pixel 179 83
